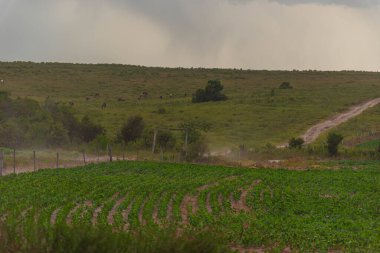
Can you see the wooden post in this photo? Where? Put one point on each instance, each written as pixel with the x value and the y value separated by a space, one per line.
pixel 154 141
pixel 34 160
pixel 110 152
pixel 14 161
pixel 123 151
pixel 1 163
pixel 186 140
pixel 84 158
pixel 57 160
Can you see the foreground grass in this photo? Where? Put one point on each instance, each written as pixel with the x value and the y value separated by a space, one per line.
pixel 251 116
pixel 315 210
pixel 64 239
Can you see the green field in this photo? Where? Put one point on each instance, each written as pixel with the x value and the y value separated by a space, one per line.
pixel 251 116
pixel 261 209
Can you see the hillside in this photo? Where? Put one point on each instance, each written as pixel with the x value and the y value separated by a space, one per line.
pixel 262 210
pixel 254 114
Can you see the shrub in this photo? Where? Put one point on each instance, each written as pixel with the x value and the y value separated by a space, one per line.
pixel 333 141
pixel 296 143
pixel 132 130
pixel 286 85
pixel 90 130
pixel 212 92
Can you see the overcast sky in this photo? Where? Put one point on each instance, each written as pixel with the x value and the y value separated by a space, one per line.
pixel 254 34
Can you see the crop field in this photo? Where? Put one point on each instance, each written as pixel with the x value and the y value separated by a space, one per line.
pixel 251 210
pixel 256 113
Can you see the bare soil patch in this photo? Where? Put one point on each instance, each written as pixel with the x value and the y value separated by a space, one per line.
pixel 110 217
pixel 241 204
pixel 169 211
pixel 53 217
pixel 125 215
pixel 141 211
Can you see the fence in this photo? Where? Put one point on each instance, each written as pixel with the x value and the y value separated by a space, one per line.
pixel 13 161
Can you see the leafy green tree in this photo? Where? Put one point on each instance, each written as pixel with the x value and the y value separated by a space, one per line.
pixel 166 139
pixel 57 135
pixel 90 130
pixel 296 143
pixel 333 141
pixel 212 92
pixel 131 130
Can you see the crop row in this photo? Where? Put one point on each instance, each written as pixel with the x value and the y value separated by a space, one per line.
pixel 304 210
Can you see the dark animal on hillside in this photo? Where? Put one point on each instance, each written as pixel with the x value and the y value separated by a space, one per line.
pixel 71 103
pixel 161 97
pixel 143 95
pixel 104 105
pixel 121 99
pixel 87 98
pixel 97 95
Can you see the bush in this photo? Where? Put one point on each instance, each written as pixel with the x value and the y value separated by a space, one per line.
pixel 90 130
pixel 166 140
pixel 296 143
pixel 333 141
pixel 286 85
pixel 132 130
pixel 212 92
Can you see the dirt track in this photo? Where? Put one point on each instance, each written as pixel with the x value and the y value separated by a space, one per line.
pixel 313 133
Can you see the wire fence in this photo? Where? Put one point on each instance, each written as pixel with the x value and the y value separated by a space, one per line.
pixel 19 161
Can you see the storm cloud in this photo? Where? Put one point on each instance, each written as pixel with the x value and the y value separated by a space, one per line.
pixel 255 34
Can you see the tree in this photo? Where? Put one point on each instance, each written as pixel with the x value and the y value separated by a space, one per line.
pixel 165 139
pixel 212 92
pixel 296 143
pixel 90 130
pixel 197 144
pixel 333 141
pixel 132 129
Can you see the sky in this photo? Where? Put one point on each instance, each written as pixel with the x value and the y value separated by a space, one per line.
pixel 249 34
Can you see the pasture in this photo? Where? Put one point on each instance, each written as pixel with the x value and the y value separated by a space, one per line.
pixel 256 113
pixel 244 210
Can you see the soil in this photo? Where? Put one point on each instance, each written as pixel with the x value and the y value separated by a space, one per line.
pixel 241 204
pixel 169 212
pixel 54 215
pixel 126 213
pixel 110 217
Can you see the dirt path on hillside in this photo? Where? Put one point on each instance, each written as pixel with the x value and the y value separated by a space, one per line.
pixel 314 132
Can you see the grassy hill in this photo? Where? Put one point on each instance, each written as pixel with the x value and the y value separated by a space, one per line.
pixel 251 116
pixel 264 209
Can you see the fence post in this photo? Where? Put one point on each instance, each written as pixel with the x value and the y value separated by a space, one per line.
pixel 186 140
pixel 14 161
pixel 123 151
pixel 34 160
pixel 154 141
pixel 57 160
pixel 110 152
pixel 1 163
pixel 84 158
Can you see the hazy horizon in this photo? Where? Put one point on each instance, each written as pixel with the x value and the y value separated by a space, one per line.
pixel 330 35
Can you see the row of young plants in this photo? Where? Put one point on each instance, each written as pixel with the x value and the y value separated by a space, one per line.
pixel 316 210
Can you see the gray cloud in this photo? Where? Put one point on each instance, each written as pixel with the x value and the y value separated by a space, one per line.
pixel 355 3
pixel 258 34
